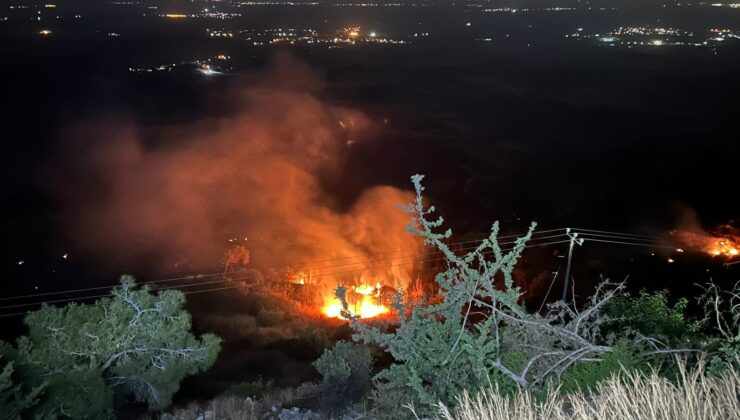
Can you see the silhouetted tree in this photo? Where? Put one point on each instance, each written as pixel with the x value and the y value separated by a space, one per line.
pixel 136 342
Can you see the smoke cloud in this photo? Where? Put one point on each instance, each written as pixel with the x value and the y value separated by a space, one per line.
pixel 177 195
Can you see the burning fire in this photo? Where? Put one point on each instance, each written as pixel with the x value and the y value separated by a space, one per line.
pixel 724 247
pixel 364 303
pixel 255 175
pixel 724 243
pixel 352 32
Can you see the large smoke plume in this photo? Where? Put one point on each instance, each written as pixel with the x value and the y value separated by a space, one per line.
pixel 176 195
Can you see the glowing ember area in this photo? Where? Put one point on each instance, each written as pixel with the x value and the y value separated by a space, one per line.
pixel 724 243
pixel 724 247
pixel 367 290
pixel 363 303
pixel 352 33
pixel 365 309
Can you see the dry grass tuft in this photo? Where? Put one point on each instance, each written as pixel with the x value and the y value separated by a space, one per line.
pixel 226 407
pixel 232 407
pixel 628 396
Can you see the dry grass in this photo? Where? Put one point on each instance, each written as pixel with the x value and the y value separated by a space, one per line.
pixel 232 407
pixel 227 407
pixel 630 396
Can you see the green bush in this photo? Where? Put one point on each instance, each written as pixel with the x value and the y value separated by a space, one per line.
pixel 312 340
pixel 254 389
pixel 270 317
pixel 476 333
pixel 586 376
pixel 650 315
pixel 726 356
pixel 136 343
pixel 345 370
pixel 722 321
pixel 15 399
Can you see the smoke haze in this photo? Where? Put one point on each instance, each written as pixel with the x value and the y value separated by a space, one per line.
pixel 178 194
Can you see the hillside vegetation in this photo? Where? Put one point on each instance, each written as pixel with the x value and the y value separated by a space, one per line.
pixel 470 350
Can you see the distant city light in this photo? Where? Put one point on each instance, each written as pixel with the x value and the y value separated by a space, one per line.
pixel 45 32
pixel 207 70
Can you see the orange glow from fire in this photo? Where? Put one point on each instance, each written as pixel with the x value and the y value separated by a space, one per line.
pixel 723 244
pixel 365 304
pixel 257 175
pixel 365 309
pixel 352 33
pixel 724 247
pixel 365 290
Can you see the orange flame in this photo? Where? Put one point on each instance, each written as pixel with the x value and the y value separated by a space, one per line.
pixel 366 307
pixel 723 244
pixel 724 247
pixel 365 290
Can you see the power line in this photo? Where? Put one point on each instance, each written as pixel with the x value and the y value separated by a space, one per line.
pixel 87 289
pixel 245 277
pixel 79 298
pixel 612 233
pixel 111 294
pixel 422 253
pixel 450 244
pixel 419 261
pixel 219 273
pixel 185 293
pixel 20 305
pixel 631 243
pixel 429 260
pixel 618 238
pixel 598 235
pixel 336 273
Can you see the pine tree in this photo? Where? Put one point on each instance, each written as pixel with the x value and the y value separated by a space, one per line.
pixel 135 342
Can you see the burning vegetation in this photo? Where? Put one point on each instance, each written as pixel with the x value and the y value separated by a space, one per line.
pixel 723 241
pixel 364 302
pixel 370 290
pixel 258 176
pixel 365 298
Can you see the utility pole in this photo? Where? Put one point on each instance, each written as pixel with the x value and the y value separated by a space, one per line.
pixel 573 241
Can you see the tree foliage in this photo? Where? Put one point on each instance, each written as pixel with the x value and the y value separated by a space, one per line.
pixel 722 317
pixel 651 315
pixel 15 399
pixel 135 342
pixel 587 376
pixel 345 370
pixel 476 331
